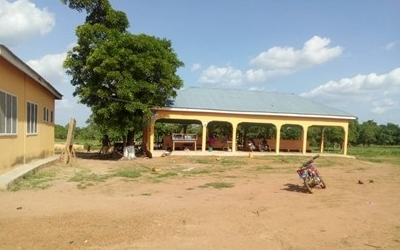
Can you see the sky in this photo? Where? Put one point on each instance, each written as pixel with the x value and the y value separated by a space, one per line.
pixel 344 54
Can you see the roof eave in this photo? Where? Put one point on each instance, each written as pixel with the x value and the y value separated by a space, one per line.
pixel 339 117
pixel 19 64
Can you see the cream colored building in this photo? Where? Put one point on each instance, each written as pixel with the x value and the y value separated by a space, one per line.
pixel 203 106
pixel 27 105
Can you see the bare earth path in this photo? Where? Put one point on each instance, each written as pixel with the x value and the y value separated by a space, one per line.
pixel 265 207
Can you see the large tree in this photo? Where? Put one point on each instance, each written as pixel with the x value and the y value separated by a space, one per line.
pixel 368 131
pixel 119 75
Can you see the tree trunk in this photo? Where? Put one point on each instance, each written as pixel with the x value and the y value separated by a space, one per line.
pixel 130 138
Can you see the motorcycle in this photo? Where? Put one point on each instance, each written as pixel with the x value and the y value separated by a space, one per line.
pixel 310 175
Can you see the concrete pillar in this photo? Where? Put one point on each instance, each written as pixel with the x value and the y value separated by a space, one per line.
pixel 204 137
pixel 278 138
pixel 234 128
pixel 346 139
pixel 321 146
pixel 304 139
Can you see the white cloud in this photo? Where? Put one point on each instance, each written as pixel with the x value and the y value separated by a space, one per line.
pixel 365 94
pixel 390 46
pixel 64 104
pixel 195 67
pixel 21 20
pixel 50 67
pixel 383 106
pixel 225 76
pixel 276 61
pixel 315 51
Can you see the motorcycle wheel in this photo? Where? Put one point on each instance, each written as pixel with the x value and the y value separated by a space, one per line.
pixel 307 185
pixel 322 183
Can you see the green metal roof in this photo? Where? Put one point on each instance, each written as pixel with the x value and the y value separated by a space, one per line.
pixel 252 102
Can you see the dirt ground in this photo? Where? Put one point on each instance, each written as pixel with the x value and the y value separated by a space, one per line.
pixel 263 205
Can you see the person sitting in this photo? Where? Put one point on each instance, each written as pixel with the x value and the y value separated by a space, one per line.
pixel 251 144
pixel 105 145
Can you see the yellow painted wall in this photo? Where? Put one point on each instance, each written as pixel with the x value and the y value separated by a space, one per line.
pixel 22 148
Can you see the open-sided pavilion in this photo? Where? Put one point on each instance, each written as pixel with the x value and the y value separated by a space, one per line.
pixel 204 105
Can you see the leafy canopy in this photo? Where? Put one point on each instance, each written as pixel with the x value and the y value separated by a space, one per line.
pixel 118 74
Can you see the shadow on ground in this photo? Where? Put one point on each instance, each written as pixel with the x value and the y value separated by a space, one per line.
pixel 294 188
pixel 97 156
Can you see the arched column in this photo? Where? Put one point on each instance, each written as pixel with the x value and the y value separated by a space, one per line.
pixel 151 136
pixel 204 136
pixel 346 139
pixel 278 138
pixel 304 139
pixel 321 146
pixel 234 129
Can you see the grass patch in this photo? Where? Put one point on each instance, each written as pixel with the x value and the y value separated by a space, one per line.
pixel 36 180
pixel 167 175
pixel 377 154
pixel 264 168
pixel 217 185
pixel 125 173
pixel 198 172
pixel 231 161
pixel 84 185
pixel 88 176
pixel 203 160
pixel 87 179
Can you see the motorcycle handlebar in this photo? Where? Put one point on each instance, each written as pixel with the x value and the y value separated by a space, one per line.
pixel 315 157
pixel 310 161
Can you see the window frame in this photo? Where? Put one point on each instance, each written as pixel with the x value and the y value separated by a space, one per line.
pixel 31 118
pixel 8 114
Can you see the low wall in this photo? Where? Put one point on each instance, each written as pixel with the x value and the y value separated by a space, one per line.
pixel 60 147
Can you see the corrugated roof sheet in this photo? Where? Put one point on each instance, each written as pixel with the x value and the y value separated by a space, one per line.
pixel 235 100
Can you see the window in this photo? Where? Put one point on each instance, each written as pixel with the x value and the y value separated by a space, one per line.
pixel 46 116
pixel 51 117
pixel 8 113
pixel 31 118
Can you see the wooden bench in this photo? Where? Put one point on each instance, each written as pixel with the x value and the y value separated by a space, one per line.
pixel 289 145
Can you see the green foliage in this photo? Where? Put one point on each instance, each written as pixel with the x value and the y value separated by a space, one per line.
pixel 120 76
pixel 162 129
pixel 60 132
pixel 368 132
pixel 291 132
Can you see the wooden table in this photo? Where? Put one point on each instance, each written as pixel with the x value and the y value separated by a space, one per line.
pixel 184 142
